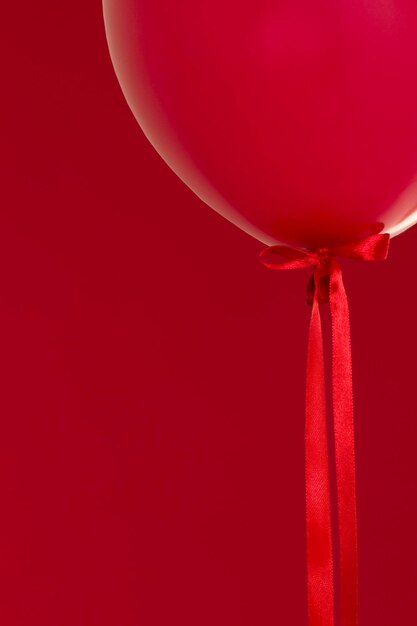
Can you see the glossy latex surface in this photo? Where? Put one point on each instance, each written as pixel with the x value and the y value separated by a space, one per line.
pixel 295 120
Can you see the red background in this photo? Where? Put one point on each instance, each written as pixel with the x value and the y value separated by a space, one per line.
pixel 152 374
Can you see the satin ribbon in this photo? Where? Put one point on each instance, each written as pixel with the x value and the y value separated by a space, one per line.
pixel 326 286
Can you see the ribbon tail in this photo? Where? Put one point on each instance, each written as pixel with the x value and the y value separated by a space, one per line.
pixel 327 285
pixel 318 518
pixel 344 446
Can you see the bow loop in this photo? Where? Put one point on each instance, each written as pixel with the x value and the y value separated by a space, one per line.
pixel 280 257
pixel 288 258
pixel 373 248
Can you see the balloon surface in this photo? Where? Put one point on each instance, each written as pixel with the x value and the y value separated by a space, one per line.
pixel 296 120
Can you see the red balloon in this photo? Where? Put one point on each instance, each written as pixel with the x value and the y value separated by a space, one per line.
pixel 296 120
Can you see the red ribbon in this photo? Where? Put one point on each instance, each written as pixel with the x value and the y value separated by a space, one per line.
pixel 326 285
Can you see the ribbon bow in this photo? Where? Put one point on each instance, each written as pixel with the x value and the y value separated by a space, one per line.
pixel 326 286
